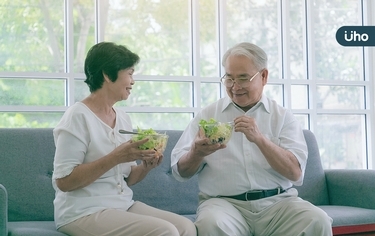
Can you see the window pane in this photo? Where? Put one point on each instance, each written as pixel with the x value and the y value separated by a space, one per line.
pixel 303 119
pixel 81 90
pixel 149 94
pixel 29 119
pixel 299 97
pixel 294 39
pixel 168 121
pixel 340 97
pixel 255 22
pixel 210 92
pixel 84 31
pixel 341 140
pixel 32 92
pixel 160 94
pixel 32 36
pixel 158 31
pixel 275 92
pixel 331 60
pixel 209 57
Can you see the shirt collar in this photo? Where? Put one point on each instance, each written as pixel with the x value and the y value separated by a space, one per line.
pixel 263 100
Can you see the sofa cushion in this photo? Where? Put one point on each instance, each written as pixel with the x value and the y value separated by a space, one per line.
pixel 33 228
pixel 356 216
pixel 346 186
pixel 359 219
pixel 27 154
pixel 314 187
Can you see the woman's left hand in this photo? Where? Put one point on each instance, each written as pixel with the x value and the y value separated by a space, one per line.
pixel 152 163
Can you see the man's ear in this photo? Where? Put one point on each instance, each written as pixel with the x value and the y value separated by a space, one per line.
pixel 264 75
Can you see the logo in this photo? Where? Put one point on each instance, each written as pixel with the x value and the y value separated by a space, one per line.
pixel 352 36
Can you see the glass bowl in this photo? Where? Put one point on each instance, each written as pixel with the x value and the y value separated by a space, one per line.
pixel 220 132
pixel 158 142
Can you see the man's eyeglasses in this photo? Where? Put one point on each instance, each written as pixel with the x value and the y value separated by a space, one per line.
pixel 242 81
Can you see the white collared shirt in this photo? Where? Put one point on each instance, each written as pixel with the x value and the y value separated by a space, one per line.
pixel 81 137
pixel 241 166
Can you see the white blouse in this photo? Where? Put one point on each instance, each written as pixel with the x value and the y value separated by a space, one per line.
pixel 81 137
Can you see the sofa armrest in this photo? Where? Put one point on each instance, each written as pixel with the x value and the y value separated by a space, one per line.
pixel 3 211
pixel 351 187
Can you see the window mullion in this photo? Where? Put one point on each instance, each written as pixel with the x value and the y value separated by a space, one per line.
pixel 69 52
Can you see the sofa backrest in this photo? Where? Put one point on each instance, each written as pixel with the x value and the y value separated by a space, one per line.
pixel 26 163
pixel 314 187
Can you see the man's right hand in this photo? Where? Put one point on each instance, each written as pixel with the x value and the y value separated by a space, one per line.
pixel 201 146
pixel 189 164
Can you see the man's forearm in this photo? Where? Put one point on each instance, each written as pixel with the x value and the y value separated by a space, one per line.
pixel 188 165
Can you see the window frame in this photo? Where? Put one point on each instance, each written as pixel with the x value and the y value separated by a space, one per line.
pixel 368 71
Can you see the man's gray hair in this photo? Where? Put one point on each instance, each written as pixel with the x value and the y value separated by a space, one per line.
pixel 249 50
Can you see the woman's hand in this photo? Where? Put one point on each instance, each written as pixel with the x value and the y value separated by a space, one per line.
pixel 129 151
pixel 152 163
pixel 140 171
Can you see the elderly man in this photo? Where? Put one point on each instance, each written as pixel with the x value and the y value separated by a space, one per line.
pixel 246 184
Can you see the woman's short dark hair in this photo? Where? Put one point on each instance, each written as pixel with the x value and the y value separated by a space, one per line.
pixel 107 58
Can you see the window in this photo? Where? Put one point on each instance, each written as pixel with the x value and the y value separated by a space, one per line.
pixel 328 87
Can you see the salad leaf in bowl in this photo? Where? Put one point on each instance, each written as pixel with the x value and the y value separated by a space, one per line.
pixel 217 132
pixel 156 141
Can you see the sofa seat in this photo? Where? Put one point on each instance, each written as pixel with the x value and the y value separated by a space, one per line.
pixel 359 219
pixel 36 228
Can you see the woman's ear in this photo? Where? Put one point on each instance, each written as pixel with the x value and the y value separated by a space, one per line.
pixel 106 78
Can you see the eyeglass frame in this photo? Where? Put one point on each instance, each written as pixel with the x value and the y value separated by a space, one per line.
pixel 223 79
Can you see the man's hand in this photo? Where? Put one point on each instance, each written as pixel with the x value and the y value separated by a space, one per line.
pixel 189 164
pixel 281 160
pixel 202 147
pixel 248 126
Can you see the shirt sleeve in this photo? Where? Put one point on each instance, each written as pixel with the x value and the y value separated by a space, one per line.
pixel 71 140
pixel 293 140
pixel 182 147
pixel 70 152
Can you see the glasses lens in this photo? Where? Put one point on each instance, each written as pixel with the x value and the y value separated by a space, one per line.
pixel 228 82
pixel 242 81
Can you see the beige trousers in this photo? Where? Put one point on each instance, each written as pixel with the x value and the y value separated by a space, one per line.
pixel 139 220
pixel 281 215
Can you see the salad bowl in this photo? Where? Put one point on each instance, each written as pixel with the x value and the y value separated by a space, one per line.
pixel 156 141
pixel 217 132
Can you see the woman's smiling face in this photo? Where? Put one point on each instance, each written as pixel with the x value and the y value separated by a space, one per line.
pixel 124 83
pixel 239 66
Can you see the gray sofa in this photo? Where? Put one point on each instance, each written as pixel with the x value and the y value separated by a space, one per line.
pixel 26 193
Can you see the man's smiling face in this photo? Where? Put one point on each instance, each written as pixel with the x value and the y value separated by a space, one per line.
pixel 239 66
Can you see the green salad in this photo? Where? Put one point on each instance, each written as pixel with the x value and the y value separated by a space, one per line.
pixel 156 141
pixel 217 132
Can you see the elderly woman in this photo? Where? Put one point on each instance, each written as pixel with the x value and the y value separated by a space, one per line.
pixel 94 165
